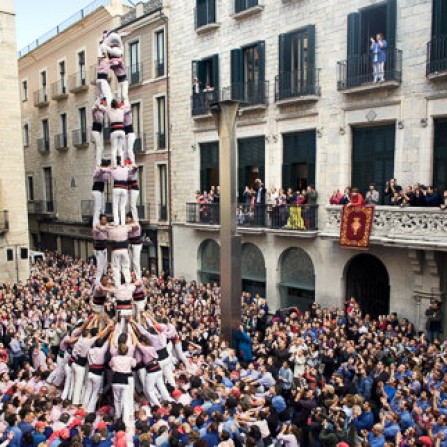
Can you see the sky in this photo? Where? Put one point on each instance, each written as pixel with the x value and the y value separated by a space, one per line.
pixel 36 17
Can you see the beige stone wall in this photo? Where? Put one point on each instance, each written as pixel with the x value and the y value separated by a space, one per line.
pixel 12 178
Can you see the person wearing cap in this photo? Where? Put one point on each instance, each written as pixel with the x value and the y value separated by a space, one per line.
pixel 39 433
pixel 135 245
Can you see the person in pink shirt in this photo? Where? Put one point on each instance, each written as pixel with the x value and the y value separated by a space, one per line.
pixel 102 71
pixel 135 245
pixel 99 234
pixel 97 135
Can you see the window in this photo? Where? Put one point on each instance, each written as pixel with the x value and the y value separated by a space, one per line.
pixel 205 12
pixel 63 140
pixel 297 72
pixel 163 192
pixel 24 90
pixel 242 5
pixel 161 123
pixel 205 84
pixel 248 74
pixel 437 60
pixel 136 119
pixel 48 188
pixel 251 162
pixel 134 57
pixel 298 166
pixel 43 85
pixel 160 52
pixel 83 124
pixel 30 188
pixel 62 88
pixel 440 155
pixel 26 134
pixel 209 166
pixel 140 182
pixel 81 67
pixel 46 134
pixel 372 156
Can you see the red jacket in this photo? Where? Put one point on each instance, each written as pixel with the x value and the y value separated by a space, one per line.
pixel 357 200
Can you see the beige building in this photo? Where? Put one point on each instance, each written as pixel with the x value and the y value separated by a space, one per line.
pixel 57 82
pixel 311 113
pixel 14 264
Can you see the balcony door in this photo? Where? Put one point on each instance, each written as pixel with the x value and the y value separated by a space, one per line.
pixel 134 52
pixel 48 188
pixel 209 165
pixel 440 155
pixel 251 163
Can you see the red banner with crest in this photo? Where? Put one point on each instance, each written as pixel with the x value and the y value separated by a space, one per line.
pixel 356 225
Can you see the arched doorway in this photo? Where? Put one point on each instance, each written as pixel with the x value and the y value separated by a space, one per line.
pixel 297 285
pixel 209 262
pixel 367 280
pixel 253 270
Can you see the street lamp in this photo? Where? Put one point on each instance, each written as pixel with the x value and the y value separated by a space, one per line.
pixel 224 114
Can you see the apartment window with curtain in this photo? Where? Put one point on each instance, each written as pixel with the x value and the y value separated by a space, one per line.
pixel 134 60
pixel 161 122
pixel 81 68
pixel 160 53
pixel 163 192
pixel 26 134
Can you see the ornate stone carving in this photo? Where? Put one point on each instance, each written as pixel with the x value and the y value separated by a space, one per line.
pixel 371 115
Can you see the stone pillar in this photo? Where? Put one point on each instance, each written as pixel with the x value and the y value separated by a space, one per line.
pixel 224 114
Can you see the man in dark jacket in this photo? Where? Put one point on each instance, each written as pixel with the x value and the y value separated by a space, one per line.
pixel 434 320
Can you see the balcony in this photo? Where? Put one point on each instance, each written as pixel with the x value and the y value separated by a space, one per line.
pixel 297 86
pixel 162 213
pixel 246 8
pixel 43 145
pixel 437 58
pixel 42 207
pixel 59 90
pixel 161 141
pixel 78 82
pixel 355 74
pixel 281 220
pixel 200 102
pixel 61 142
pixel 139 146
pixel 41 98
pixel 422 228
pixel 159 68
pixel 4 221
pixel 79 138
pixel 205 19
pixel 251 95
pixel 135 74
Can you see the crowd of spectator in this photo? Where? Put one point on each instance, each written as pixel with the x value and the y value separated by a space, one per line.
pixel 321 377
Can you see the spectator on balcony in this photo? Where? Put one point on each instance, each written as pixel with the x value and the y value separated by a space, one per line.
pixel 300 197
pixel 311 195
pixel 272 196
pixel 208 88
pixel 356 198
pixel 433 198
pixel 372 197
pixel 195 86
pixel 260 197
pixel 443 205
pixel 434 320
pixel 378 52
pixel 290 197
pixel 417 197
pixel 346 197
pixel 336 197
pixel 391 187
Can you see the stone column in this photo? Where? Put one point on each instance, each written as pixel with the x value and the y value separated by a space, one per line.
pixel 224 114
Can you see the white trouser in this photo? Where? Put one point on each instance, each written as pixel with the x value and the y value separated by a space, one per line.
pixel 103 90
pixel 117 139
pixel 78 383
pixel 135 259
pixel 101 264
pixel 98 205
pixel 138 307
pixel 154 381
pixel 166 367
pixel 123 91
pixel 98 309
pixel 92 390
pixel 121 401
pixel 381 70
pixel 130 402
pixel 137 382
pixel 119 206
pixel 99 143
pixel 120 263
pixel 133 201
pixel 142 378
pixel 180 354
pixel 57 376
pixel 68 386
pixel 130 141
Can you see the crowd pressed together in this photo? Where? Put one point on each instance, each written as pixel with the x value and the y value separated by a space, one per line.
pixel 319 378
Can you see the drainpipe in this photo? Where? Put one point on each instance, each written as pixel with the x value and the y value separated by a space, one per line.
pixel 168 103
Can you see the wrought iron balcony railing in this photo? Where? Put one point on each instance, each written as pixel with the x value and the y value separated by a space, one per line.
pixel 41 98
pixel 77 82
pixel 295 84
pixel 437 55
pixel 200 102
pixel 248 93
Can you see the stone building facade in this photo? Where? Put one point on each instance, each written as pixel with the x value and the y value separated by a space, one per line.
pixel 311 113
pixel 14 263
pixel 57 84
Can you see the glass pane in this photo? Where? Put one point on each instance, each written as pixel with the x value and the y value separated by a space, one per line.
pixel 161 115
pixel 160 47
pixel 136 118
pixel 163 185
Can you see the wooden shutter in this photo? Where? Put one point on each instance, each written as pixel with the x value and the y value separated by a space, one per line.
pixel 285 49
pixel 237 74
pixel 215 70
pixel 391 23
pixel 353 34
pixel 310 59
pixel 211 11
pixel 262 90
pixel 238 6
pixel 439 18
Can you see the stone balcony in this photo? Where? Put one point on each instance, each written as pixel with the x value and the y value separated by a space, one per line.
pixel 420 228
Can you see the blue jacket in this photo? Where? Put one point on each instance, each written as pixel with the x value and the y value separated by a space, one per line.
pixel 365 421
pixel 379 54
pixel 244 343
pixel 16 441
pixel 365 386
pixel 374 441
pixel 391 430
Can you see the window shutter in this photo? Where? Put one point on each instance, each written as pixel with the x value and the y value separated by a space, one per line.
pixel 241 183
pixel 262 89
pixel 353 34
pixel 201 74
pixel 310 59
pixel 391 23
pixel 215 70
pixel 211 11
pixel 237 74
pixel 285 50
pixel 286 183
pixel 439 18
pixel 238 6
